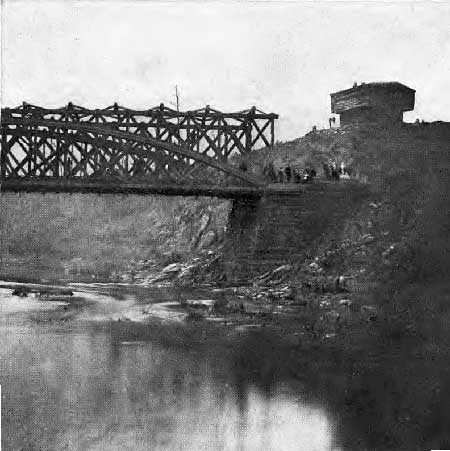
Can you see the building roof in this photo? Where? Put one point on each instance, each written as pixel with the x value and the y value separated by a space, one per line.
pixel 395 85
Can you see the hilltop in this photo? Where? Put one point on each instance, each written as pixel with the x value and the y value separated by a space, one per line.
pixel 406 217
pixel 374 153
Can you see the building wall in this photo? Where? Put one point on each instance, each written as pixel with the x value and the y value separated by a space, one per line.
pixel 382 116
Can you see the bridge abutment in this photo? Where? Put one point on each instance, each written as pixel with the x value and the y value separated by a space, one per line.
pixel 286 227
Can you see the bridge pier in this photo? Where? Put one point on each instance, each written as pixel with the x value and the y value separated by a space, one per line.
pixel 286 227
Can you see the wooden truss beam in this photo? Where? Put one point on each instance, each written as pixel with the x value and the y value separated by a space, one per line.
pixel 103 137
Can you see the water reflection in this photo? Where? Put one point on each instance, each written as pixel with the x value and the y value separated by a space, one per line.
pixel 78 387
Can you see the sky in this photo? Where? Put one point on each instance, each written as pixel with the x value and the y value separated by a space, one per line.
pixel 283 57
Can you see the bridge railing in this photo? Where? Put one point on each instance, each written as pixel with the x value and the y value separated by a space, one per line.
pixel 207 131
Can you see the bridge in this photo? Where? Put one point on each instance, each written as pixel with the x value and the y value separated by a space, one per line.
pixel 120 150
pixel 166 152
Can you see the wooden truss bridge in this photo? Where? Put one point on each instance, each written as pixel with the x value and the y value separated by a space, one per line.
pixel 119 150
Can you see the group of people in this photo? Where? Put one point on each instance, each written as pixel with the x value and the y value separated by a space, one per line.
pixel 293 175
pixel 289 174
pixel 333 171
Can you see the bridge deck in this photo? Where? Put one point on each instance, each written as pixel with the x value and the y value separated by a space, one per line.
pixel 125 187
pixel 46 185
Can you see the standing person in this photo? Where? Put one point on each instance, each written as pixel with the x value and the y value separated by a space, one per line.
pixel 68 167
pixel 269 172
pixel 326 171
pixel 334 171
pixel 272 174
pixel 288 173
pixel 280 176
pixel 139 167
pixel 55 167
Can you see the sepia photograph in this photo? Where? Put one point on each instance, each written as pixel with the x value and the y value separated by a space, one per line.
pixel 225 225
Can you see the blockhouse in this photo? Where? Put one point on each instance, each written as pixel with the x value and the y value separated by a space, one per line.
pixel 380 102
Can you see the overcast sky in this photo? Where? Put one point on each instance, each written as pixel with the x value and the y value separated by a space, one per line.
pixel 283 57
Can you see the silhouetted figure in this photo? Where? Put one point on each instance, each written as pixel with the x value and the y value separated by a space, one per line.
pixel 269 172
pixel 280 176
pixel 68 167
pixel 297 176
pixel 326 171
pixel 55 167
pixel 139 168
pixel 243 166
pixel 288 174
pixel 334 171
pixel 272 174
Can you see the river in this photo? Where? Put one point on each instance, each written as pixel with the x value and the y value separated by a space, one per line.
pixel 74 377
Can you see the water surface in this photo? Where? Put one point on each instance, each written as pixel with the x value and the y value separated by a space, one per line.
pixel 74 377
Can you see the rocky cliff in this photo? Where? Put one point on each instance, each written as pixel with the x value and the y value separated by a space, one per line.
pixel 92 237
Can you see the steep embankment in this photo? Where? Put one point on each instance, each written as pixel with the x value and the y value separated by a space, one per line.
pixel 406 220
pixel 103 237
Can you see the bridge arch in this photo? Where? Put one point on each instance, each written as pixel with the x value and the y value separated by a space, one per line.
pixel 33 148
